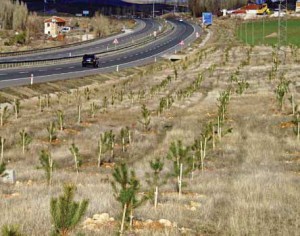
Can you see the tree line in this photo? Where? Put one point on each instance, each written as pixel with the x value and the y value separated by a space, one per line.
pixel 13 15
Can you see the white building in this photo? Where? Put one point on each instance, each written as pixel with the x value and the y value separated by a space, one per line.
pixel 298 6
pixel 53 26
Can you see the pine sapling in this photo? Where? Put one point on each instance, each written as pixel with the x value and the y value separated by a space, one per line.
pixel 296 121
pixel 126 187
pixel 47 164
pixel 112 144
pixel 11 230
pixel 25 140
pixel 40 105
pixel 87 94
pixel 65 212
pixel 103 145
pixel 93 109
pixel 105 104
pixel 16 106
pixel 77 158
pixel 154 179
pixel 60 119
pixel 292 101
pixel 124 133
pixel 281 90
pixel 179 155
pixel 2 169
pixel 4 115
pixel 51 131
pixel 145 117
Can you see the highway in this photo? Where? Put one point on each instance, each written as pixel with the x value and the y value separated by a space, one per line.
pixel 183 31
pixel 144 28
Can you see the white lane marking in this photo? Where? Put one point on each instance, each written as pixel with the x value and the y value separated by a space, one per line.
pixel 42 70
pixel 58 68
pixel 23 72
pixel 71 67
pixel 2 74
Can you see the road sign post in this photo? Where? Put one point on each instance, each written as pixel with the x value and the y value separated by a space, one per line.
pixel 207 18
pixel 115 42
pixel 181 44
pixel 31 79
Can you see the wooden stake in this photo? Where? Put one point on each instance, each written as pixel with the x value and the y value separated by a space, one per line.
pixel 180 180
pixel 123 219
pixel 79 114
pixel 293 104
pixel 213 137
pixel 155 197
pixel 2 149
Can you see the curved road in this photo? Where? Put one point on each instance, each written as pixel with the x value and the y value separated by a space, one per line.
pixel 144 28
pixel 183 32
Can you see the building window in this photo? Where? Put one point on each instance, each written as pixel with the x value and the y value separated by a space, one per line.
pixel 48 25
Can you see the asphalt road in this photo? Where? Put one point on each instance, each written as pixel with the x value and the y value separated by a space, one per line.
pixel 145 28
pixel 149 53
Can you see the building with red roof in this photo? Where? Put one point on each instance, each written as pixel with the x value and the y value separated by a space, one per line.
pixel 53 25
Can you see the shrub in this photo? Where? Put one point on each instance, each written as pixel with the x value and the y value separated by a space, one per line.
pixel 65 212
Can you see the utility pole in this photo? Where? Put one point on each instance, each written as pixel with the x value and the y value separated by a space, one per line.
pixel 282 27
pixel 153 10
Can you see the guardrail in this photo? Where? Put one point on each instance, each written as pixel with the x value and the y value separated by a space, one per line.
pixel 13 64
pixel 25 52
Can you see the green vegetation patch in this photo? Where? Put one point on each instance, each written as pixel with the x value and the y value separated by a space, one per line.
pixel 266 32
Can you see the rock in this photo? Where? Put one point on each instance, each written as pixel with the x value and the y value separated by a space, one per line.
pixel 101 218
pixel 195 204
pixel 193 208
pixel 111 219
pixel 165 222
pixel 148 222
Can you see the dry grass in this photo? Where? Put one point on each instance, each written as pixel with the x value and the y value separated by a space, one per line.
pixel 250 185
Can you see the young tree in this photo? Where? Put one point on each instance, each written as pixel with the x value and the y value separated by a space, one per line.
pixel 179 154
pixel 126 186
pixel 154 179
pixel 47 164
pixel 2 169
pixel 77 158
pixel 4 115
pixel 103 145
pixel 281 90
pixel 25 140
pixel 16 106
pixel 145 117
pixel 65 212
pixel 296 122
pixel 61 119
pixel 10 230
pixel 51 131
pixel 223 104
pixel 125 137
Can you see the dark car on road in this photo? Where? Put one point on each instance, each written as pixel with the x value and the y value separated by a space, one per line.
pixel 90 60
